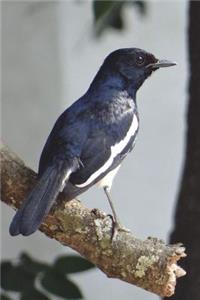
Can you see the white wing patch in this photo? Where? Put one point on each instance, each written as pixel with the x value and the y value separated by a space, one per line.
pixel 115 150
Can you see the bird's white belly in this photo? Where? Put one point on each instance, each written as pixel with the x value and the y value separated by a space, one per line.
pixel 107 180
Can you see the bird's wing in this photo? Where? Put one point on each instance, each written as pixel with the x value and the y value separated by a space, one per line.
pixel 100 146
pixel 104 150
pixel 65 140
pixel 95 154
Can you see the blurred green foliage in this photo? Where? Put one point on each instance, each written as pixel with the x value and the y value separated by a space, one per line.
pixel 109 14
pixel 26 274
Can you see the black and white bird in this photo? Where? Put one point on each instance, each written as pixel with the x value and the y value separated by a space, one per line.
pixel 91 138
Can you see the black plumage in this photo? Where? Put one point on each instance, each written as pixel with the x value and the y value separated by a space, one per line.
pixel 91 138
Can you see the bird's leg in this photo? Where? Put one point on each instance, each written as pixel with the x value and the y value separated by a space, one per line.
pixel 117 224
pixel 107 192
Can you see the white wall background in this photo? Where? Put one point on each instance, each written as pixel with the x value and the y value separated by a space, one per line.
pixel 49 58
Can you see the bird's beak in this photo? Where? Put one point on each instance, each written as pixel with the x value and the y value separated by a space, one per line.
pixel 163 63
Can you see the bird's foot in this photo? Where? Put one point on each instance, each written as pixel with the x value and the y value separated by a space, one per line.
pixel 118 227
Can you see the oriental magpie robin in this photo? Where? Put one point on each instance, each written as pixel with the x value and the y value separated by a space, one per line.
pixel 91 138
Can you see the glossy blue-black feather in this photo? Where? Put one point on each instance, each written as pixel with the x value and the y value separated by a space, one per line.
pixel 81 140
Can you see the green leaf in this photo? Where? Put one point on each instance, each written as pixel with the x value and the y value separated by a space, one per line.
pixel 72 264
pixel 57 284
pixel 33 294
pixel 107 14
pixel 100 8
pixel 5 297
pixel 14 278
pixel 32 266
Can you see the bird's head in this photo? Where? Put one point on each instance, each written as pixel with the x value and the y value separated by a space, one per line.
pixel 133 64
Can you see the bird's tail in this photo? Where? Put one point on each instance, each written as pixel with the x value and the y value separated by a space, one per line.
pixel 38 203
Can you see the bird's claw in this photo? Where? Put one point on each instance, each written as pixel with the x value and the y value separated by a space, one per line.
pixel 118 227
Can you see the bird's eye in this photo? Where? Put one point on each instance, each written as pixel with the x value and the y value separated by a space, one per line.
pixel 140 60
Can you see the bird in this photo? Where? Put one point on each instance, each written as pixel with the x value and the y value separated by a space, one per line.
pixel 91 138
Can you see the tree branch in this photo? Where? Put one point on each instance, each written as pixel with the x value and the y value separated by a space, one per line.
pixel 149 264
